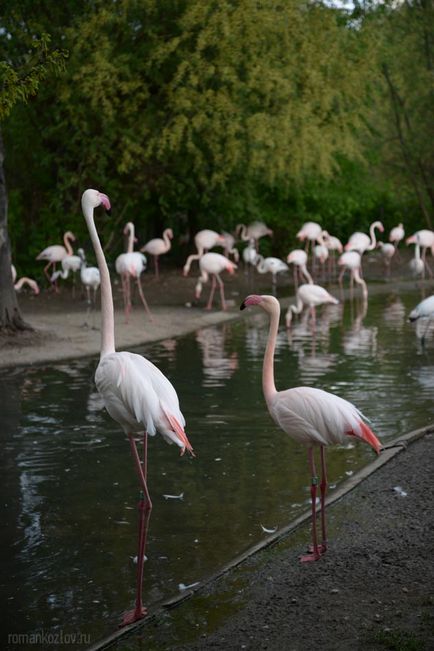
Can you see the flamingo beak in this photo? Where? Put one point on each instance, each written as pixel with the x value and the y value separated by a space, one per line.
pixel 105 202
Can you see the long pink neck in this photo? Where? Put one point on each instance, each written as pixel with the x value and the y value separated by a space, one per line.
pixel 130 248
pixel 67 243
pixel 268 385
pixel 166 239
pixel 107 312
pixel 373 243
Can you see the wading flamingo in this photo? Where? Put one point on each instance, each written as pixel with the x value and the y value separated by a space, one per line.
pixel 271 266
pixel 387 251
pixel 425 239
pixel 27 281
pixel 135 393
pixel 309 232
pixel 229 248
pixel 361 242
pixel 204 240
pixel 56 253
pixel 310 416
pixel 250 254
pixel 424 312
pixel 309 296
pixel 213 264
pixel 416 264
pixel 396 235
pixel 321 253
pixel 352 261
pixel 298 258
pixel 334 246
pixel 253 231
pixel 158 246
pixel 131 265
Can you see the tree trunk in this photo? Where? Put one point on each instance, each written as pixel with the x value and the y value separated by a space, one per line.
pixel 10 315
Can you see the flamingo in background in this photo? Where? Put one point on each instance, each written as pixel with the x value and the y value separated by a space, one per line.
pixel 396 235
pixel 158 246
pixel 204 240
pixel 310 416
pixel 229 246
pixel 309 232
pixel 416 264
pixel 271 265
pixel 91 279
pixel 352 261
pixel 298 258
pixel 214 264
pixel 135 393
pixel 131 265
pixel 320 253
pixel 253 231
pixel 425 239
pixel 361 242
pixel 387 251
pixel 309 296
pixel 56 253
pixel 27 281
pixel 334 246
pixel 425 312
pixel 70 263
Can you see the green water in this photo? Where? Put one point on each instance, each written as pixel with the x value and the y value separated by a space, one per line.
pixel 70 489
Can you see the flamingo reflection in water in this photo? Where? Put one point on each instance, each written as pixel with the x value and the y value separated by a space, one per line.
pixel 217 364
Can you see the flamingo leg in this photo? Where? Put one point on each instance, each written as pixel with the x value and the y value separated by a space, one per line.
pixel 222 292
pixel 295 277
pixel 156 269
pixel 128 297
pixel 145 507
pixel 315 554
pixel 323 488
pixel 142 296
pixel 211 294
pixel 426 263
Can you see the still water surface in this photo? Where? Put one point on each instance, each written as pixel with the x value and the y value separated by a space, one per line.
pixel 69 486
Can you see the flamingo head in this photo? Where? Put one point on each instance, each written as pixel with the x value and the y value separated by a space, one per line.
pixel 169 233
pixel 267 303
pixel 411 240
pixel 69 235
pixel 230 267
pixel 35 287
pixel 94 198
pixel 379 225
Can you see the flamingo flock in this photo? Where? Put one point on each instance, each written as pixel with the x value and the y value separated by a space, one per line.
pixel 143 401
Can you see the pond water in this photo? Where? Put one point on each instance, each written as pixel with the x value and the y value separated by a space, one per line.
pixel 69 508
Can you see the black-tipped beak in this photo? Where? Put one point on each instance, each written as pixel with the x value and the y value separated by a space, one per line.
pixel 243 306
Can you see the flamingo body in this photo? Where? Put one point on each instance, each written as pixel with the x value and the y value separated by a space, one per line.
pixel 213 264
pixel 396 234
pixel 361 242
pixel 311 296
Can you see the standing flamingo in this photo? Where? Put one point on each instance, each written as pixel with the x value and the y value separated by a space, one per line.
pixel 158 246
pixel 396 235
pixel 214 264
pixel 204 240
pixel 320 253
pixel 416 264
pixel 309 232
pixel 425 239
pixel 70 263
pixel 56 253
pixel 135 393
pixel 387 251
pixel 229 246
pixel 131 265
pixel 361 242
pixel 298 258
pixel 310 296
pixel 334 246
pixel 425 312
pixel 253 231
pixel 310 416
pixel 91 279
pixel 352 260
pixel 271 265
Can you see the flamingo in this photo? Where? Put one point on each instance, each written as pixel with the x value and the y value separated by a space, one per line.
pixel 352 260
pixel 70 263
pixel 56 253
pixel 90 278
pixel 310 416
pixel 334 245
pixel 416 264
pixel 425 239
pixel 298 258
pixel 271 265
pixel 309 232
pixel 250 253
pixel 388 251
pixel 396 235
pixel 320 252
pixel 424 311
pixel 361 242
pixel 229 246
pixel 253 231
pixel 158 246
pixel 311 296
pixel 135 393
pixel 27 281
pixel 204 240
pixel 131 265
pixel 214 264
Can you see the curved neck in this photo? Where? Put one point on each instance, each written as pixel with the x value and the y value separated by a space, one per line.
pixel 67 243
pixel 296 309
pixel 373 243
pixel 306 274
pixel 25 281
pixel 260 264
pixel 268 385
pixel 107 312
pixel 131 236
pixel 417 251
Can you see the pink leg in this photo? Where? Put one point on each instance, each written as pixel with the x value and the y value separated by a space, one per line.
pixel 323 487
pixel 211 294
pixel 156 269
pixel 145 507
pixel 222 292
pixel 313 317
pixel 139 285
pixel 426 263
pixel 315 555
pixel 127 297
pixel 295 278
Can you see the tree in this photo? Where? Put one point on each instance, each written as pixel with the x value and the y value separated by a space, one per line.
pixel 17 84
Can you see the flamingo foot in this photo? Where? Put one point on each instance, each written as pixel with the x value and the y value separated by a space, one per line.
pixel 308 558
pixel 133 616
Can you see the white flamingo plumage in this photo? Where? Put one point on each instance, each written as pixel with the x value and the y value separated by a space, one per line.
pixel 352 261
pixel 131 265
pixel 425 239
pixel 310 416
pixel 204 240
pixel 55 253
pixel 309 296
pixel 416 264
pixel 271 265
pixel 361 242
pixel 396 235
pixel 423 312
pixel 27 281
pixel 298 258
pixel 309 233
pixel 213 264
pixel 253 231
pixel 387 251
pixel 158 246
pixel 229 247
pixel 134 391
